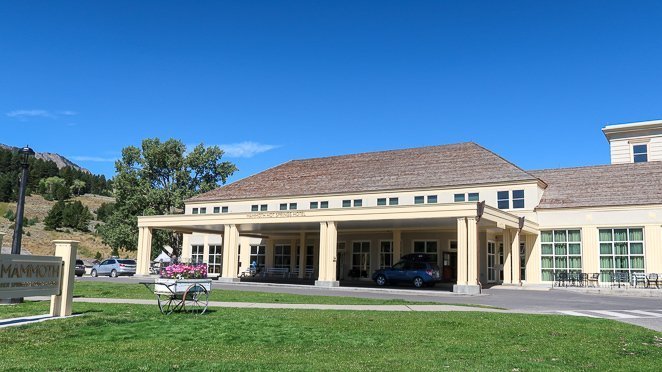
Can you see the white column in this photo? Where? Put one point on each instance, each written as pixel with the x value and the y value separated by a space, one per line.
pixel 230 252
pixel 186 248
pixel 302 255
pixel 61 305
pixel 515 256
pixel 397 245
pixel 462 261
pixel 144 251
pixel 472 251
pixel 507 257
pixel 327 255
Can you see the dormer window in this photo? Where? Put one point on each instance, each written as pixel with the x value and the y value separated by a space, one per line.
pixel 640 153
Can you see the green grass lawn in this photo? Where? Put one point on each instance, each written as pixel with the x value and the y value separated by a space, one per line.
pixel 138 337
pixel 123 290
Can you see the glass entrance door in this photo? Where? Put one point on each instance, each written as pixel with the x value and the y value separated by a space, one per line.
pixel 491 262
pixel 449 269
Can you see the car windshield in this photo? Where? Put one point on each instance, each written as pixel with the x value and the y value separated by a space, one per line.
pixel 127 262
pixel 400 265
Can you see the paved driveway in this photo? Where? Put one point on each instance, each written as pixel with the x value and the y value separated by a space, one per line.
pixel 644 311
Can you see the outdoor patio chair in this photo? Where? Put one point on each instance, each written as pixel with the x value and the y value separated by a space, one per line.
pixel 653 278
pixel 583 279
pixel 562 279
pixel 593 280
pixel 639 278
pixel 620 278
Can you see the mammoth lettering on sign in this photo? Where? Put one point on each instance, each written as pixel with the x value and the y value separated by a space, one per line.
pixel 25 276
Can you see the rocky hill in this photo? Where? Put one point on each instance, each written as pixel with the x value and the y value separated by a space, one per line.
pixel 37 240
pixel 58 159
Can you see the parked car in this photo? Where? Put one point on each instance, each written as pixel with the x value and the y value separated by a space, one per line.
pixel 114 267
pixel 80 268
pixel 418 273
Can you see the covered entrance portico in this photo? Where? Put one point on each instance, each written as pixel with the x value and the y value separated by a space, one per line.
pixel 353 241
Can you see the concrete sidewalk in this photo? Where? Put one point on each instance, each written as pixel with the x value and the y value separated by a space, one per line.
pixel 254 305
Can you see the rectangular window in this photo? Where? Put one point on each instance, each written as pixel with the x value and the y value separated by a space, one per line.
pixel 561 251
pixel 503 200
pixel 293 206
pixel 263 207
pixel 197 254
pixel 518 198
pixel 224 209
pixel 360 259
pixel 452 245
pixel 358 202
pixel 432 199
pixel 217 210
pixel 640 153
pixel 283 206
pixel 324 204
pixel 621 250
pixel 346 203
pixel 474 196
pixel 458 198
pixel 258 255
pixel 254 208
pixel 215 259
pixel 392 201
pixel 314 205
pixel 385 254
pixel 419 200
pixel 309 257
pixel 381 201
pixel 426 246
pixel 203 210
pixel 194 211
pixel 282 256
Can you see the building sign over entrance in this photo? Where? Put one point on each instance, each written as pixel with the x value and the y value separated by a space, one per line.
pixel 277 214
pixel 24 276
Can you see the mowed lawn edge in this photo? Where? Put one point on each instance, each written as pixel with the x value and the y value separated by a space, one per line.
pixel 138 337
pixel 89 289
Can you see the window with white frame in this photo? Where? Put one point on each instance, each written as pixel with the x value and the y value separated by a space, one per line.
pixel 452 245
pixel 215 264
pixel 324 204
pixel 381 201
pixel 640 153
pixel 282 256
pixel 458 198
pixel 426 246
pixel 385 254
pixel 283 206
pixel 560 251
pixel 358 202
pixel 293 206
pixel 217 210
pixel 224 209
pixel 203 210
pixel 432 199
pixel 419 199
pixel 258 255
pixel 263 207
pixel 255 208
pixel 314 205
pixel 503 199
pixel 518 199
pixel 361 257
pixel 470 196
pixel 197 254
pixel 346 203
pixel 621 250
pixel 195 211
pixel 392 201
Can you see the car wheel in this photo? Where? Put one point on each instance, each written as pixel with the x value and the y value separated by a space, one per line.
pixel 94 273
pixel 113 274
pixel 381 280
pixel 418 282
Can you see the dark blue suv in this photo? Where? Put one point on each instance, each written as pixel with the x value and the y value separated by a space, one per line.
pixel 413 270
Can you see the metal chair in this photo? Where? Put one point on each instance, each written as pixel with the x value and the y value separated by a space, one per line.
pixel 593 279
pixel 652 278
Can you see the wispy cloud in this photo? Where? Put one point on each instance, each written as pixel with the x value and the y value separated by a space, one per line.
pixel 92 158
pixel 25 115
pixel 246 149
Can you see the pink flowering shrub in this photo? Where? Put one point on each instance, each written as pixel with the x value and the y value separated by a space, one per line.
pixel 185 271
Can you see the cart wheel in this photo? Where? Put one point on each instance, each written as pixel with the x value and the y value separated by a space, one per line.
pixel 196 299
pixel 166 304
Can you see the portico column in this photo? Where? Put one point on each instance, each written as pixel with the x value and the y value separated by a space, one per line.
pixel 467 256
pixel 302 255
pixel 328 249
pixel 472 251
pixel 144 251
pixel 462 251
pixel 397 245
pixel 515 256
pixel 507 257
pixel 230 254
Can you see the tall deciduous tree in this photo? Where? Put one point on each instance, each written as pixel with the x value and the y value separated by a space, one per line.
pixel 155 179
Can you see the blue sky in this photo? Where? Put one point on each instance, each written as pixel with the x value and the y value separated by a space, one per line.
pixel 280 80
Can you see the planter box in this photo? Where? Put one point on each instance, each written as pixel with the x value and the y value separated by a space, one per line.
pixel 178 286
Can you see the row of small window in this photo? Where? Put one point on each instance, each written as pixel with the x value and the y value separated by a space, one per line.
pixel 203 210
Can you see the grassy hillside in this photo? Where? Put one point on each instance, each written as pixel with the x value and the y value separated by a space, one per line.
pixel 39 241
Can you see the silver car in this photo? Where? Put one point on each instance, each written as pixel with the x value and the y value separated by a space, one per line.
pixel 114 267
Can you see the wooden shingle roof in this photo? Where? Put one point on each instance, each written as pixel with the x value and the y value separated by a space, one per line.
pixel 424 167
pixel 602 185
